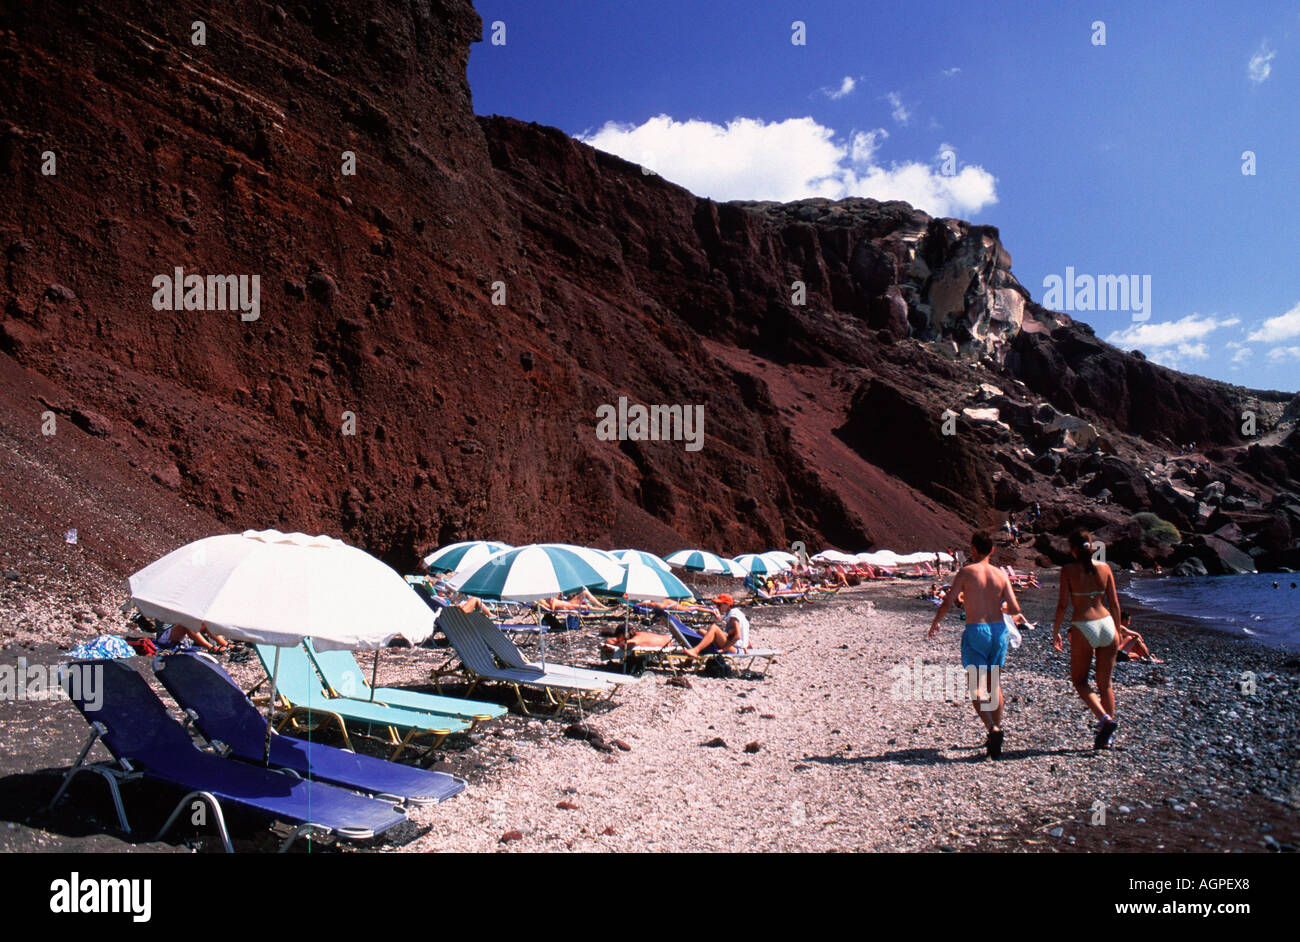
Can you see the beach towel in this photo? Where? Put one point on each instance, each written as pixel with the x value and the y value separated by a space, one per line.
pixel 105 647
pixel 1013 634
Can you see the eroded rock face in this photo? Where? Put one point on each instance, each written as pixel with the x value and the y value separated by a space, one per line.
pixel 475 419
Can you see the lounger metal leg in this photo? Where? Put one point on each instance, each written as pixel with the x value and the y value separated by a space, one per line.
pixel 76 767
pixel 211 801
pixel 299 831
pixel 111 778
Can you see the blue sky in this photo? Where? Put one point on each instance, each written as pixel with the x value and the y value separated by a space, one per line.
pixel 1117 159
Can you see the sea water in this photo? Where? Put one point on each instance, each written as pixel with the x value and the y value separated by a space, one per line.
pixel 1244 606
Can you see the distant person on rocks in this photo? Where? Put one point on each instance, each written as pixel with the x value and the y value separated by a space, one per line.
pixel 986 593
pixel 1088 588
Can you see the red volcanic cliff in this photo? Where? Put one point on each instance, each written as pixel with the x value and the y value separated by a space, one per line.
pixel 472 418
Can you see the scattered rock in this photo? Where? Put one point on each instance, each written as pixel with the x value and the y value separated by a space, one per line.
pixel 682 682
pixel 510 836
pixel 717 742
pixel 753 747
pixel 567 806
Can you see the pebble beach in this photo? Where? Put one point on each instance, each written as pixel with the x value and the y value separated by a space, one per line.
pixel 830 752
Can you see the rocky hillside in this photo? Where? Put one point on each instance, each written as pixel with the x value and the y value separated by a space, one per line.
pixel 437 330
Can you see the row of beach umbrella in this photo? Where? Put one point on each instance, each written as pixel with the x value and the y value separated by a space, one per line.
pixel 268 587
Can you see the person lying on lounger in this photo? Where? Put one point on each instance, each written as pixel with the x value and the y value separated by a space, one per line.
pixel 582 601
pixel 207 640
pixel 1131 644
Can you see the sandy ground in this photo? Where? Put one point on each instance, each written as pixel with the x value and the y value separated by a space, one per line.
pixel 831 751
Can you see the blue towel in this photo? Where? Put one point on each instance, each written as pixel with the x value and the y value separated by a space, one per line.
pixel 105 647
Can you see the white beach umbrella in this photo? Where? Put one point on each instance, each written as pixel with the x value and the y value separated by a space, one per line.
pixel 788 558
pixel 268 587
pixel 833 556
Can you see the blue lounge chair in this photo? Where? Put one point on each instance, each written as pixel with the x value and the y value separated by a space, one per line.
pixel 344 679
pixel 228 720
pixel 127 716
pixel 307 705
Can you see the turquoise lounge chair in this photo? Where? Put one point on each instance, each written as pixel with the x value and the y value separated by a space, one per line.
pixel 344 678
pixel 307 705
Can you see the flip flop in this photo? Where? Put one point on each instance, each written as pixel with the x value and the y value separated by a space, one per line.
pixel 1104 731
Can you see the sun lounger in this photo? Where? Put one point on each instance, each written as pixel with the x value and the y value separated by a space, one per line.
pixel 228 720
pixel 685 639
pixel 307 705
pixel 146 742
pixel 344 679
pixel 478 662
pixel 510 656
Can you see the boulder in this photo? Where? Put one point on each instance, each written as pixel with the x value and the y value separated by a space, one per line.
pixel 1230 560
pixel 1191 567
pixel 1073 431
pixel 1126 484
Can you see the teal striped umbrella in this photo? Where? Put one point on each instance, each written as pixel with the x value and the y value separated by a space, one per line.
pixel 646 583
pixel 528 574
pixel 462 556
pixel 759 564
pixel 640 556
pixel 700 561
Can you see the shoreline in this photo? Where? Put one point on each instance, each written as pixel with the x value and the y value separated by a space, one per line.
pixel 834 762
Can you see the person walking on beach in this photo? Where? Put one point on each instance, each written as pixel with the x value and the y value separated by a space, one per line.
pixel 986 593
pixel 1088 588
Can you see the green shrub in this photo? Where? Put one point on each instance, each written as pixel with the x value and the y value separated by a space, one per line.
pixel 1159 531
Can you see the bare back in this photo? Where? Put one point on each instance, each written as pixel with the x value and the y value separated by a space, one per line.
pixel 984 588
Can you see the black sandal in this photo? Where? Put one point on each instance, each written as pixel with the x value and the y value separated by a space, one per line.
pixel 993 745
pixel 1104 732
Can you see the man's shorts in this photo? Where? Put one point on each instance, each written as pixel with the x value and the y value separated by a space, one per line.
pixel 984 645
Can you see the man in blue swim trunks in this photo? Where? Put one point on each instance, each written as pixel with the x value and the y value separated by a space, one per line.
pixel 986 594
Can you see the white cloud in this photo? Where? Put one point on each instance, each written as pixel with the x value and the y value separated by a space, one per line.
pixel 750 159
pixel 1283 327
pixel 1282 354
pixel 1166 335
pixel 865 145
pixel 1261 64
pixel 1242 354
pixel 898 110
pixel 949 73
pixel 847 84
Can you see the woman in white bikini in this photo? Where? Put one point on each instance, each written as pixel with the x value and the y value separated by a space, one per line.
pixel 1088 588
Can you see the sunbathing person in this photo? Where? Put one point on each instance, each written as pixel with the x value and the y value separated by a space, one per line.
pixel 207 640
pixel 1131 644
pixel 731 637
pixel 582 601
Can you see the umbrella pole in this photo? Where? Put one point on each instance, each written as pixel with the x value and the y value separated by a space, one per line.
pixel 541 634
pixel 374 674
pixel 270 710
